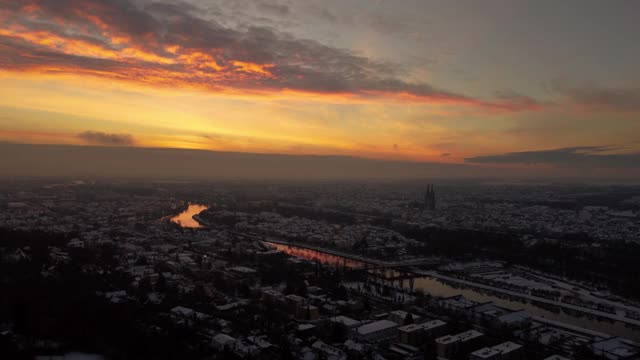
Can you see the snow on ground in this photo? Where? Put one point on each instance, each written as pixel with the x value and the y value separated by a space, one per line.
pixel 71 356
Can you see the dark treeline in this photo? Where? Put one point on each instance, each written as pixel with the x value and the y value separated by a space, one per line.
pixel 10 238
pixel 50 303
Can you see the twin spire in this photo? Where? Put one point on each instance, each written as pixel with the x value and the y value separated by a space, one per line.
pixel 430 198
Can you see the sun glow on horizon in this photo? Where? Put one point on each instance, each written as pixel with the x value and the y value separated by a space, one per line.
pixel 148 74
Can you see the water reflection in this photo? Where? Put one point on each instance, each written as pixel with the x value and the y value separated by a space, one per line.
pixel 438 288
pixel 185 218
pixel 318 256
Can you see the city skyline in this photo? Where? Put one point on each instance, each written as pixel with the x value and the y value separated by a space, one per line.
pixel 319 180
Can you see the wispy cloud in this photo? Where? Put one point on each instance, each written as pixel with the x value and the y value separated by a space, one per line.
pixel 102 138
pixel 276 9
pixel 584 156
pixel 596 98
pixel 171 45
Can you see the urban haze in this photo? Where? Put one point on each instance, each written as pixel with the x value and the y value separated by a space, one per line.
pixel 319 180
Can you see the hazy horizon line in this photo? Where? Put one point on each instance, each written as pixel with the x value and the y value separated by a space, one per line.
pixel 64 160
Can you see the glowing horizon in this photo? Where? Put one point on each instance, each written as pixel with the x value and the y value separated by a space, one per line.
pixel 158 74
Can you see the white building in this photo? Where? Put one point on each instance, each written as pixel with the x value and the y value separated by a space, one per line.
pixel 348 322
pixel 377 331
pixel 223 341
pixel 504 351
pixel 329 352
pixel 485 353
pixel 449 346
pixel 416 334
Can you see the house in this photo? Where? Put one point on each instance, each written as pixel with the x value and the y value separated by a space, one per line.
pixel 308 312
pixel 328 352
pixel 116 297
pixel 77 243
pixel 615 348
pixel 399 316
pixel 377 331
pixel 505 351
pixel 347 322
pixel 513 319
pixel 306 330
pixel 485 353
pixel 272 297
pixel 182 312
pixel 416 334
pixel 498 317
pixel 244 349
pixel 457 304
pixel 259 342
pixel 294 302
pixel 155 298
pixel 241 272
pixel 354 348
pixel 449 346
pixel 223 342
pixel 405 352
pixel 509 350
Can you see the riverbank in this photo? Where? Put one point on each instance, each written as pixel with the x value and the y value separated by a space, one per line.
pixel 532 298
pixel 187 218
pixel 364 260
pixel 440 285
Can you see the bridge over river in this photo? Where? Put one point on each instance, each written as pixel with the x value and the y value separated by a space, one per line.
pixel 440 285
pixel 369 263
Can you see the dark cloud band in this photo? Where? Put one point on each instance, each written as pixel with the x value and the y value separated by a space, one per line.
pixel 587 156
pixel 169 44
pixel 102 138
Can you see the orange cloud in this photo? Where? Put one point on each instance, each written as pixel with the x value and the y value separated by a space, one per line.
pixel 248 67
pixel 163 45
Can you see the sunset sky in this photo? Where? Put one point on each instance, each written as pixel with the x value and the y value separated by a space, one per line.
pixel 482 83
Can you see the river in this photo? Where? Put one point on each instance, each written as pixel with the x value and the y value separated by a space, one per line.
pixel 185 218
pixel 439 288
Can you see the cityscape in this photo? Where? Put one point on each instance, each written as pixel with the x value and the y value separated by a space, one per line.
pixel 319 180
pixel 251 270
